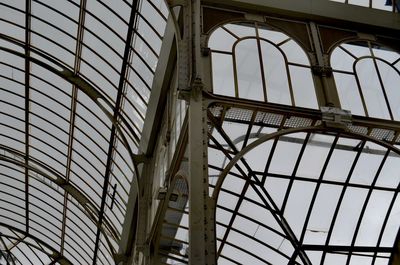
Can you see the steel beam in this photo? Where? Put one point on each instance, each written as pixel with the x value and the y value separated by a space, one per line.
pixel 199 243
pixel 190 83
pixel 326 11
pixel 161 81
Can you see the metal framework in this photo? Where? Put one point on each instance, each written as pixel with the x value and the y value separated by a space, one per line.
pixel 292 178
pixel 75 84
pixel 199 132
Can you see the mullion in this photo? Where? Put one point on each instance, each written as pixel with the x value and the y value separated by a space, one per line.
pixel 238 204
pixel 23 253
pixel 345 185
pixel 318 185
pixel 6 249
pixel 330 182
pixel 157 10
pixel 113 12
pixel 242 195
pixel 234 70
pixel 246 138
pixel 257 240
pixel 381 82
pixel 252 220
pixel 74 97
pixel 28 6
pixel 269 160
pixel 114 130
pixel 359 87
pixel 395 62
pixel 230 259
pixel 248 252
pixel 348 52
pixel 297 164
pixel 389 211
pixel 249 200
pixel 261 62
pixel 366 204
pixel 289 78
pixel 278 217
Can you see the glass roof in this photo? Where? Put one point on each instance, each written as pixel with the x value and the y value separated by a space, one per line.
pixel 290 192
pixel 75 84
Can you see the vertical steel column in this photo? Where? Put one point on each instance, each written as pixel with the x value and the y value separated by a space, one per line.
pixel 191 85
pixel 142 255
pixel 323 71
pixel 190 65
pixel 200 243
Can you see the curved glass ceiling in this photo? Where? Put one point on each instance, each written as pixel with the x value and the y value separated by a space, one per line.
pixel 75 83
pixel 289 191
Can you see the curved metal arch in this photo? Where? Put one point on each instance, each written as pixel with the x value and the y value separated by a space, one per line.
pixel 281 221
pixel 253 23
pixel 172 185
pixel 89 90
pixel 56 255
pixel 97 97
pixel 277 134
pixel 90 209
pixel 272 43
pixel 374 58
pixel 348 40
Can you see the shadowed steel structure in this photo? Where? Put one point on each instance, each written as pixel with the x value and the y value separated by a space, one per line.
pixel 199 132
pixel 75 83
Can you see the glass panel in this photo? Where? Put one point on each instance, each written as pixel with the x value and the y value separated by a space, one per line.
pixel 389 176
pixel 372 89
pixel 359 2
pixel 297 205
pixel 223 78
pixel 343 155
pixel 241 30
pixel 276 188
pixel 342 59
pixel 314 156
pixel 350 98
pixel 373 218
pixel 275 74
pixel 221 40
pixel 367 165
pixel 283 161
pixel 294 53
pixel 390 77
pixel 349 212
pixel 392 225
pixel 303 87
pixel 322 214
pixel 248 70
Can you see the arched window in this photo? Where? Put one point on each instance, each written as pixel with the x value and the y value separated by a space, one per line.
pixel 254 62
pixel 367 76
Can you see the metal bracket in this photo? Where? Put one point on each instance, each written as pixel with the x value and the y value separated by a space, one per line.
pixel 336 117
pixel 322 70
pixel 205 51
pixel 173 3
pixel 162 194
pixel 120 258
pixel 139 159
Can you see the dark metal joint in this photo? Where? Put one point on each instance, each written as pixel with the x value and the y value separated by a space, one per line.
pixel 322 70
